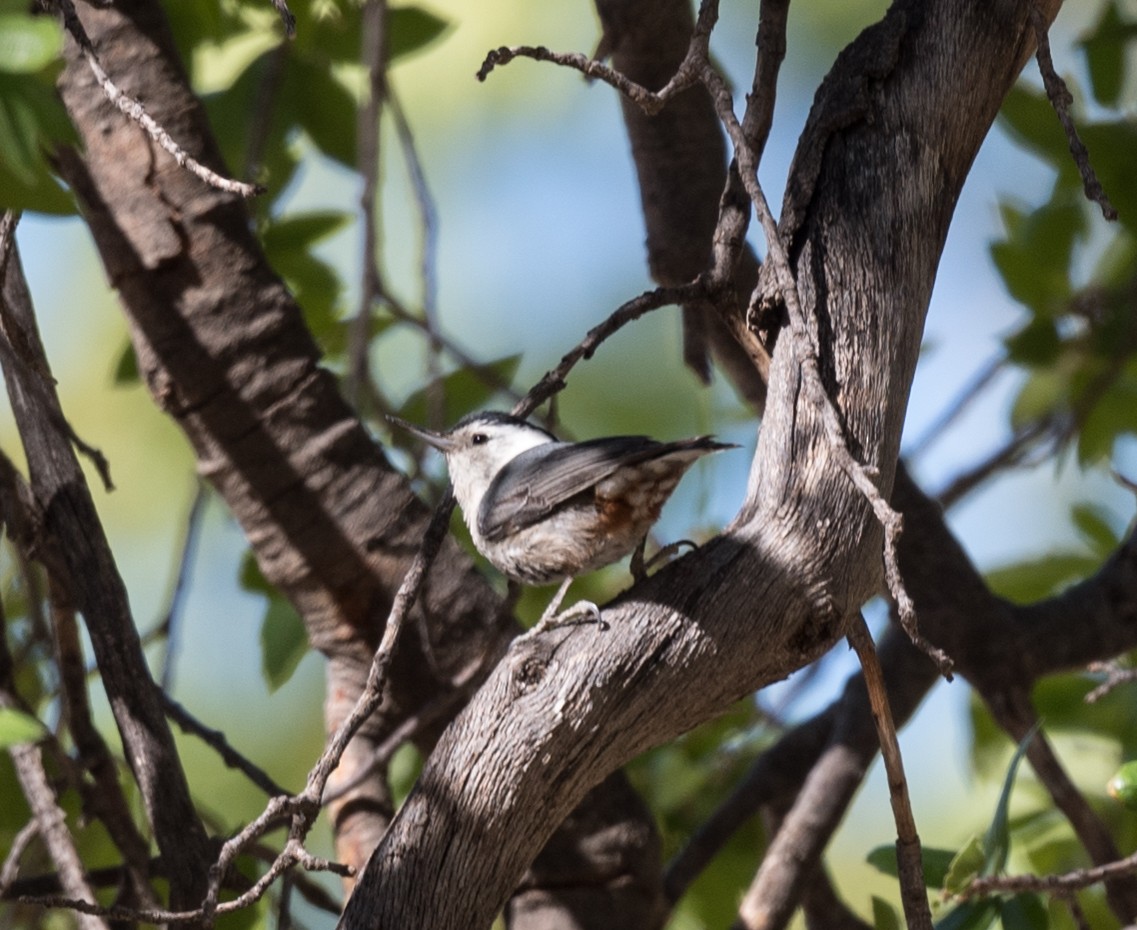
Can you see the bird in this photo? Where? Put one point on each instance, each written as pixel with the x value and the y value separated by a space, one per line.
pixel 541 510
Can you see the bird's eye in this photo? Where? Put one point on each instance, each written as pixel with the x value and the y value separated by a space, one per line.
pixel 478 438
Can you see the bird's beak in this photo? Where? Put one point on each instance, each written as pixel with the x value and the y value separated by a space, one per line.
pixel 440 441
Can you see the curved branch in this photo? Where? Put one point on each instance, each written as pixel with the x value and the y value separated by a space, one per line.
pixel 564 709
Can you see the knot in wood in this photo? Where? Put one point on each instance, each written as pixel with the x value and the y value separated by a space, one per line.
pixel 529 667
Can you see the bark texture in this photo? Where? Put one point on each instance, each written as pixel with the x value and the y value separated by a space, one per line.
pixel 893 133
pixel 224 350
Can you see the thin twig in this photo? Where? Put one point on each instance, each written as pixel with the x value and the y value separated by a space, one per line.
pixel 102 792
pixel 11 866
pixel 806 341
pixel 168 628
pixel 136 111
pixel 1010 454
pixel 697 68
pixel 28 763
pixel 368 127
pixel 1051 884
pixel 305 807
pixel 909 860
pixel 1115 677
pixel 433 711
pixel 1061 99
pixel 554 380
pixel 954 410
pixel 428 244
pixel 216 740
pixel 286 17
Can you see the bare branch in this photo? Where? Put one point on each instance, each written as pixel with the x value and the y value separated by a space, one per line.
pixel 1061 884
pixel 168 628
pixel 911 867
pixel 1115 677
pixel 1061 99
pixel 136 111
pixel 554 381
pixel 369 122
pixel 286 17
pixel 216 740
pixel 53 826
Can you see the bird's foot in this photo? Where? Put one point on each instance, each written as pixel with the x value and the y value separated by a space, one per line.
pixel 640 568
pixel 580 612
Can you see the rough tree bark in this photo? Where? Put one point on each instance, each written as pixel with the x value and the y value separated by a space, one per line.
pixel 223 348
pixel 892 135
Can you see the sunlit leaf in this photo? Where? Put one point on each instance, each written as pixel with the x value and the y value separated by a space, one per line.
pixel 965 866
pixel 1094 525
pixel 1045 391
pixel 28 43
pixel 997 842
pixel 1033 579
pixel 284 641
pixel 17 727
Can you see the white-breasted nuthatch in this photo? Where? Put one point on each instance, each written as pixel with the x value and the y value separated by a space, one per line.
pixel 542 510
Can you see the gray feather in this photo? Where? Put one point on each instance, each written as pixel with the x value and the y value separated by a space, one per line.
pixel 542 479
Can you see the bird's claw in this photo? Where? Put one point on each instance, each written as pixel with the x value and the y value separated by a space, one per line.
pixel 580 612
pixel 639 567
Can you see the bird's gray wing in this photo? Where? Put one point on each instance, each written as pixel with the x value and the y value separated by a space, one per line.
pixel 539 480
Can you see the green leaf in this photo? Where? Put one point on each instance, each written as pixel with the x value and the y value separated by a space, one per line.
pixel 126 368
pixel 966 865
pixel 1114 415
pixel 1045 391
pixel 1111 146
pixel 318 103
pixel 28 43
pixel 31 119
pixel 411 28
pixel 971 915
pixel 1034 258
pixel 1024 912
pixel 1037 343
pixel 997 842
pixel 936 863
pixel 884 916
pixel 300 231
pixel 1033 579
pixel 1104 48
pixel 16 727
pixel 461 392
pixel 317 288
pixel 284 641
pixel 1094 525
pixel 1030 119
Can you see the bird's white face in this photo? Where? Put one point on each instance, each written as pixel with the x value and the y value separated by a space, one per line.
pixel 476 451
